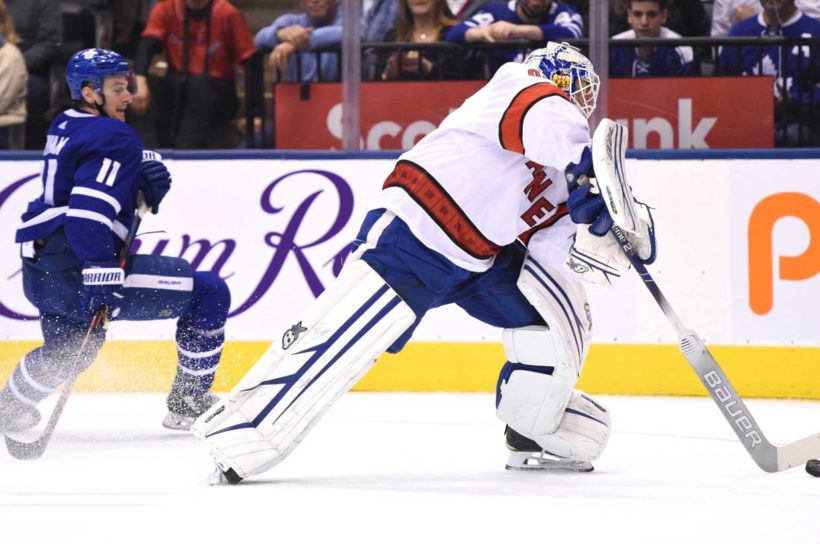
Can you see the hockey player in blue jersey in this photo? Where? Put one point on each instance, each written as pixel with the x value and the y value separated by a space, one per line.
pixel 93 169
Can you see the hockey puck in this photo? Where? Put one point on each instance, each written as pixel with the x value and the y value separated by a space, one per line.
pixel 813 467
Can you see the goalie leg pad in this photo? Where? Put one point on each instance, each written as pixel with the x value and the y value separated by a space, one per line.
pixel 535 384
pixel 318 359
pixel 563 304
pixel 582 433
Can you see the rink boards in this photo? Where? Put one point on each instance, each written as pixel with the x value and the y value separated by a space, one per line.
pixel 739 255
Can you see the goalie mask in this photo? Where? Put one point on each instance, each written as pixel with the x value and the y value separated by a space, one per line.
pixel 565 66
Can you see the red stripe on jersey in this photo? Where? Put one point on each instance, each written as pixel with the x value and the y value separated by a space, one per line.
pixel 511 127
pixel 426 191
pixel 560 212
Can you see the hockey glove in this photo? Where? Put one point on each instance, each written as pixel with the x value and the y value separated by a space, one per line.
pixel 156 182
pixel 600 259
pixel 585 203
pixel 102 286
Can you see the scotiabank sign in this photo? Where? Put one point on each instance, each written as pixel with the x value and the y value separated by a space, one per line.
pixel 393 115
pixel 694 113
pixel 674 113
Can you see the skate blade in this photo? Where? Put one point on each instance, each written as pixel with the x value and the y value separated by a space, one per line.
pixel 177 423
pixel 533 461
pixel 217 477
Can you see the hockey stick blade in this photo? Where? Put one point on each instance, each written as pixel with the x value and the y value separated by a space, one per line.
pixel 34 450
pixel 768 457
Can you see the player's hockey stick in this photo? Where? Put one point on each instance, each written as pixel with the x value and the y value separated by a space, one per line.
pixel 609 143
pixel 769 457
pixel 35 449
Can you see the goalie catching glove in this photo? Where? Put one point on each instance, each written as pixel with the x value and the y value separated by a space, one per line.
pixel 600 259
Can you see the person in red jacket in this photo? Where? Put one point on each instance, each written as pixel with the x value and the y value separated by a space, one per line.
pixel 204 42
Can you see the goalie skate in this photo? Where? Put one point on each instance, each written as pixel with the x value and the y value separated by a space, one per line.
pixel 525 454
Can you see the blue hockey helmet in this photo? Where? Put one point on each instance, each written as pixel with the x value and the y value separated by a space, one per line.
pixel 92 66
pixel 568 68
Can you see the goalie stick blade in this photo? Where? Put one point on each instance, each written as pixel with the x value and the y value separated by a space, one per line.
pixel 539 462
pixel 26 450
pixel 769 457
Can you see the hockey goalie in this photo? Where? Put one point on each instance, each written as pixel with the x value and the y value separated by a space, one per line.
pixel 496 211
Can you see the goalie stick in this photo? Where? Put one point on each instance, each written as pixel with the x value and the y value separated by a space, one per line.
pixel 608 152
pixel 35 449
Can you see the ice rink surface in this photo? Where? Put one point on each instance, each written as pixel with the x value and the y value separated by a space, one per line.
pixel 413 468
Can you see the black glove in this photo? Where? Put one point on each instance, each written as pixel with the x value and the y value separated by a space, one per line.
pixel 102 286
pixel 156 182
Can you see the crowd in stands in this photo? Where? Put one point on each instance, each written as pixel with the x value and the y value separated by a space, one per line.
pixel 188 54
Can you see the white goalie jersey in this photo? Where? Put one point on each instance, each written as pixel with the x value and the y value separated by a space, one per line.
pixel 502 174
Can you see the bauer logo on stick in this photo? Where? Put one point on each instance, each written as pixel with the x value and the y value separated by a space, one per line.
pixel 292 334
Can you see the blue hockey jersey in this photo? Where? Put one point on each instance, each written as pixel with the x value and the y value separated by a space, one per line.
pixel 91 175
pixel 562 23
pixel 791 64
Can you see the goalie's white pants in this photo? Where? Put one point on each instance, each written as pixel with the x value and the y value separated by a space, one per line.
pixel 320 357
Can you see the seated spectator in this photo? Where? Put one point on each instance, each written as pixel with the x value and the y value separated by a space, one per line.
pixel 377 21
pixel 37 23
pixel 13 78
pixel 533 20
pixel 196 101
pixel 464 9
pixel 686 17
pixel 647 17
pixel 727 13
pixel 795 85
pixel 319 26
pixel 421 21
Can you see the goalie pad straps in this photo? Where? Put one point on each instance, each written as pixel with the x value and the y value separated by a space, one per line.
pixel 317 360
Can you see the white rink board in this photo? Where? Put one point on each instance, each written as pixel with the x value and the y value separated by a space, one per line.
pixel 283 236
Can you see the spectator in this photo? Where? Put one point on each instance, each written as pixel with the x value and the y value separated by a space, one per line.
pixel 37 23
pixel 727 13
pixel 129 21
pixel 319 26
pixel 195 103
pixel 794 87
pixel 464 9
pixel 13 78
pixel 647 17
pixel 686 17
pixel 421 21
pixel 379 19
pixel 533 20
